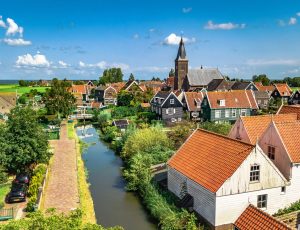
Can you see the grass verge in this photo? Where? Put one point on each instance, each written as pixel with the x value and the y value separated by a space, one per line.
pixel 86 201
pixel 4 189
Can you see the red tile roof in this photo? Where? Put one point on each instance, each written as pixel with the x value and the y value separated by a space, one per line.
pixel 256 125
pixel 78 89
pixel 170 81
pixel 192 98
pixel 255 219
pixel 118 85
pixel 202 160
pixel 283 89
pixel 233 99
pixel 261 87
pixel 290 109
pixel 290 135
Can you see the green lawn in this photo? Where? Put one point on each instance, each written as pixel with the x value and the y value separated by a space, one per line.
pixel 20 90
pixel 294 88
pixel 4 189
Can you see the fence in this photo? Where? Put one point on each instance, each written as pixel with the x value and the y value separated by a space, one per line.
pixel 7 213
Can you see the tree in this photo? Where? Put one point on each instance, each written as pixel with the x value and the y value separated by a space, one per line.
pixel 25 142
pixel 111 75
pixel 261 78
pixel 124 98
pixel 172 73
pixel 23 83
pixel 131 77
pixel 58 100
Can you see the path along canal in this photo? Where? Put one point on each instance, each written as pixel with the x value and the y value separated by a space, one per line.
pixel 113 205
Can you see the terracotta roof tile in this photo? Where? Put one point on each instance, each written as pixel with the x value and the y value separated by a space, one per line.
pixel 118 85
pixel 267 88
pixel 283 89
pixel 290 135
pixel 255 219
pixel 233 99
pixel 256 125
pixel 202 160
pixel 192 98
pixel 78 89
pixel 290 109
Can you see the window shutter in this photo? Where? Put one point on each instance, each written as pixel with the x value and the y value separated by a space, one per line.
pixel 167 111
pixel 174 110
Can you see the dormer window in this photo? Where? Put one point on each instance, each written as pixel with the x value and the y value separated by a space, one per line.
pixel 221 102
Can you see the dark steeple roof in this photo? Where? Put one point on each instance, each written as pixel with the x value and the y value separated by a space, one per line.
pixel 181 55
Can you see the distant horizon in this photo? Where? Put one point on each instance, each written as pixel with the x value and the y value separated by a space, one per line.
pixel 55 38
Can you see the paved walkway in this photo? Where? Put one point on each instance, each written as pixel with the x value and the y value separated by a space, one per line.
pixel 61 191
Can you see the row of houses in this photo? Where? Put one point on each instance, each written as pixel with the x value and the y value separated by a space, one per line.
pixel 238 181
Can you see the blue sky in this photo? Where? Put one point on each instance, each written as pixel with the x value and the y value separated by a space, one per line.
pixel 78 39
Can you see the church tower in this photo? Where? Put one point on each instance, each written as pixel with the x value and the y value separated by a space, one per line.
pixel 181 66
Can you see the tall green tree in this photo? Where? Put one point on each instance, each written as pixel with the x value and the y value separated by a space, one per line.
pixel 58 100
pixel 25 142
pixel 111 75
pixel 261 78
pixel 131 77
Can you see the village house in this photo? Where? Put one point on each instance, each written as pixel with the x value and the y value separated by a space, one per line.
pixel 191 79
pixel 244 85
pixel 133 86
pixel 228 106
pixel 269 88
pixel 106 95
pixel 8 101
pixel 262 99
pixel 282 91
pixel 285 109
pixel 219 85
pixel 223 176
pixel 155 86
pixel 295 98
pixel 191 102
pixel 82 93
pixel 167 106
pixel 250 129
pixel 121 124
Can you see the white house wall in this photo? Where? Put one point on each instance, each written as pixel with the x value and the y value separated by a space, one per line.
pixel 239 132
pixel 239 182
pixel 282 160
pixel 204 200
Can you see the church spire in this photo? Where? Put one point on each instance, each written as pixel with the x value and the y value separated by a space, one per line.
pixel 181 55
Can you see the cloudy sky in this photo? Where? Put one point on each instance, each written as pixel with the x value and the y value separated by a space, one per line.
pixel 79 39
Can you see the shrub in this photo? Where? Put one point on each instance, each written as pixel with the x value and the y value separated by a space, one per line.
pixel 3 175
pixel 35 183
pixel 110 133
pixel 222 128
pixel 123 111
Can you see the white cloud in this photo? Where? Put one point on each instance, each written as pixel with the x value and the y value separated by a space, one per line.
pixel 13 28
pixel 16 42
pixel 63 64
pixel 27 60
pixel 281 23
pixel 103 65
pixel 2 23
pixel 292 21
pixel 282 62
pixel 298 14
pixel 174 39
pixel 136 36
pixel 187 10
pixel 151 69
pixel 223 26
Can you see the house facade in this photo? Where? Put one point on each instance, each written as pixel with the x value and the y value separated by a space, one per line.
pixel 228 106
pixel 107 95
pixel 191 102
pixel 295 98
pixel 224 181
pixel 167 106
pixel 282 91
pixel 262 99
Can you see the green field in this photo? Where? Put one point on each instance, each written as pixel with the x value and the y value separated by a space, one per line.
pixel 20 90
pixel 294 88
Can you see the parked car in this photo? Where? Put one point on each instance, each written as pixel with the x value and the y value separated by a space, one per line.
pixel 17 193
pixel 22 179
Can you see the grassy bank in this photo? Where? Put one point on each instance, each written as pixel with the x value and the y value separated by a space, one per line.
pixel 4 189
pixel 86 201
pixel 21 90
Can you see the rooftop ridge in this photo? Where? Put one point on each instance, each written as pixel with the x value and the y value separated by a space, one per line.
pixel 226 137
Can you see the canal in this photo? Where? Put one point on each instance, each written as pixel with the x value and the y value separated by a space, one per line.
pixel 113 205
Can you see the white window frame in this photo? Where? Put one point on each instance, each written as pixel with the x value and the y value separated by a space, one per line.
pixel 262 201
pixel 233 113
pixel 243 112
pixel 170 111
pixel 218 112
pixel 172 101
pixel 271 152
pixel 283 190
pixel 227 113
pixel 222 102
pixel 254 173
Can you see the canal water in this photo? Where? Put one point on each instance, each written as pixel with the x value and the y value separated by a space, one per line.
pixel 113 205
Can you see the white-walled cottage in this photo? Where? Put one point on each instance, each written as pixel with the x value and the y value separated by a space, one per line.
pixel 224 176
